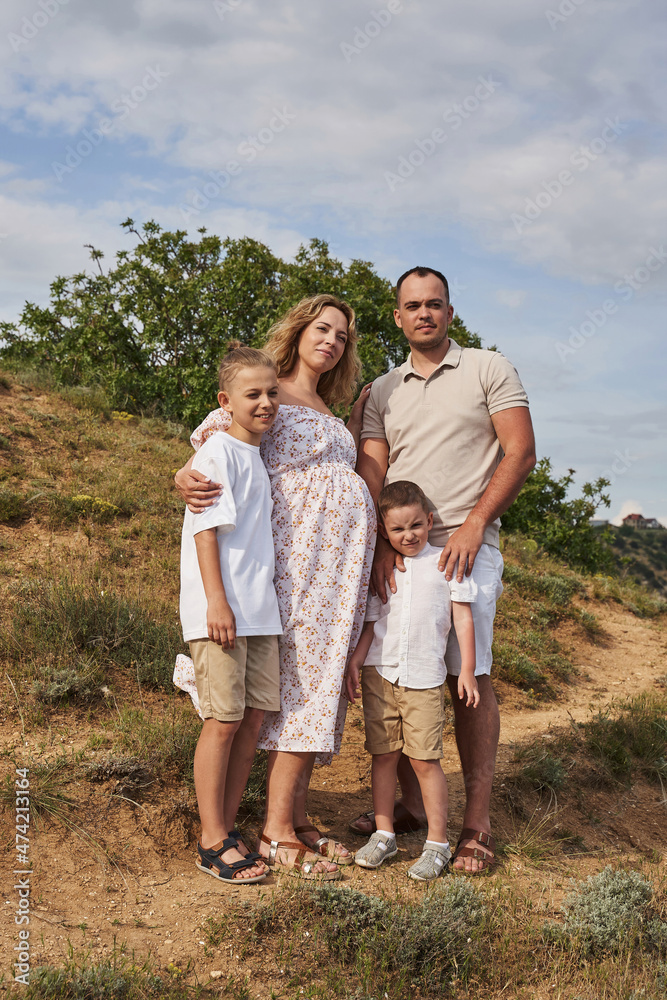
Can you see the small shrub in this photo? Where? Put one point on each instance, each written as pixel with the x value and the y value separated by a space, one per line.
pixel 116 978
pixel 635 736
pixel 47 798
pixel 100 510
pixel 517 668
pixel 544 771
pixel 607 911
pixel 162 741
pixel 13 506
pixel 83 683
pixel 132 776
pixel 432 940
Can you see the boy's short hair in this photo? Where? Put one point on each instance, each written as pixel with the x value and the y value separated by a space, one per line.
pixel 402 493
pixel 239 356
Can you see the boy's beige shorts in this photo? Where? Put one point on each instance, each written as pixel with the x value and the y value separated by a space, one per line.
pixel 231 680
pixel 400 718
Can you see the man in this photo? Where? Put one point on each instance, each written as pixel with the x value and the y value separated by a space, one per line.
pixel 456 422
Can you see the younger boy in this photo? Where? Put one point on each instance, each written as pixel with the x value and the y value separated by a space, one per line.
pixel 402 651
pixel 229 610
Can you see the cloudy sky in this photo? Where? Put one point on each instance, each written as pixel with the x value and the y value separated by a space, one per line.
pixel 520 147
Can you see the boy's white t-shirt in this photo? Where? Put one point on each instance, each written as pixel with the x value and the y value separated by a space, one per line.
pixel 241 516
pixel 411 629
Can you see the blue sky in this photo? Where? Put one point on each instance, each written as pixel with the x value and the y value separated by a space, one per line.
pixel 519 147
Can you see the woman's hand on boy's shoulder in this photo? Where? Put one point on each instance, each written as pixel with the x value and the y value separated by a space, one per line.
pixel 196 489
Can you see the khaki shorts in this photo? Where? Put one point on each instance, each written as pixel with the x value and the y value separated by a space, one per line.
pixel 231 680
pixel 400 718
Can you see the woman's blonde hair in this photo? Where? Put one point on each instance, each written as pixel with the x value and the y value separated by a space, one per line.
pixel 239 356
pixel 337 386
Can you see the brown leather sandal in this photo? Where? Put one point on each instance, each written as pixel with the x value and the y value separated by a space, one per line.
pixel 328 849
pixel 404 822
pixel 487 858
pixel 302 866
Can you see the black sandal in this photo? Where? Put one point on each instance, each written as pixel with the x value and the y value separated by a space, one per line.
pixel 237 836
pixel 212 864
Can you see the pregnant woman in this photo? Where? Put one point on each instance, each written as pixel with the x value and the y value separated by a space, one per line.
pixel 324 534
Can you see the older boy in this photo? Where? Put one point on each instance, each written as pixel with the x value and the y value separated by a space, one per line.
pixel 402 650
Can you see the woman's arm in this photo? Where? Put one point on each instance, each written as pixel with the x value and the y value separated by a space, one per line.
pixel 195 488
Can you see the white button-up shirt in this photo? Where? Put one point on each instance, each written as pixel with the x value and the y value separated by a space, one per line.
pixel 411 629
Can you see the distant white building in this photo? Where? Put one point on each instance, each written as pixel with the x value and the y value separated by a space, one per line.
pixel 638 521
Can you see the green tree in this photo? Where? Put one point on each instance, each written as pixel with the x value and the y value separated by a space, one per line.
pixel 152 328
pixel 560 526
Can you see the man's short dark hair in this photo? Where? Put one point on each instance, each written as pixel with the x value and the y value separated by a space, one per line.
pixel 421 272
pixel 402 493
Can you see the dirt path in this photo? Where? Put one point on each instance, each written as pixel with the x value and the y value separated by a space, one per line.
pixel 153 899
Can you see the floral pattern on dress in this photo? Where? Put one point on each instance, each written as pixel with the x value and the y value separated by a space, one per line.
pixel 324 535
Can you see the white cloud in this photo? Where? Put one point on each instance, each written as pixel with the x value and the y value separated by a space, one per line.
pixel 627 507
pixel 511 298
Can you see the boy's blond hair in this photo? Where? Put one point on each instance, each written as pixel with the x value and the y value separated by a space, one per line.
pixel 239 356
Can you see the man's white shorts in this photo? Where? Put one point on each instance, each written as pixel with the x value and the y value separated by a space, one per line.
pixel 487 574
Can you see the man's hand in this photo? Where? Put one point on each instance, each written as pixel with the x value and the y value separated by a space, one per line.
pixel 462 548
pixel 352 671
pixel 384 562
pixel 356 416
pixel 196 489
pixel 221 622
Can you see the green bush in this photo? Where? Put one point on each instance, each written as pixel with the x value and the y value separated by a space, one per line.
pixel 560 526
pixel 607 911
pixel 13 506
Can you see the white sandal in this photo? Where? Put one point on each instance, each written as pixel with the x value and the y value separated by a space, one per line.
pixel 378 849
pixel 432 863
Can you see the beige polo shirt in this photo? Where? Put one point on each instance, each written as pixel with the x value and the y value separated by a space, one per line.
pixel 439 430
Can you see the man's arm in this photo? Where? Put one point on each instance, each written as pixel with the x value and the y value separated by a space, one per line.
pixel 372 465
pixel 514 430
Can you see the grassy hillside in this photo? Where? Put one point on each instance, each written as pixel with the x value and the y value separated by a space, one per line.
pixel 89 552
pixel 642 555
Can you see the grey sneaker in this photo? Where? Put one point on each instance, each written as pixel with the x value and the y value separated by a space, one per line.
pixel 378 849
pixel 432 863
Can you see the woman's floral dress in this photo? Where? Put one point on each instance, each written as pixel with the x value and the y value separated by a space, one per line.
pixel 324 534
